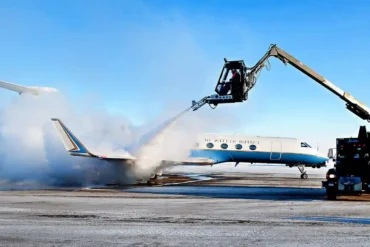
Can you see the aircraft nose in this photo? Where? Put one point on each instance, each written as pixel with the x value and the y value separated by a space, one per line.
pixel 324 157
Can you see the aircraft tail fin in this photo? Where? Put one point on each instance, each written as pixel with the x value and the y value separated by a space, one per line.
pixel 71 143
pixel 75 147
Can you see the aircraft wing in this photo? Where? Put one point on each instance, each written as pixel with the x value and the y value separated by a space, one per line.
pixel 187 162
pixel 196 161
pixel 75 147
pixel 24 89
pixel 16 88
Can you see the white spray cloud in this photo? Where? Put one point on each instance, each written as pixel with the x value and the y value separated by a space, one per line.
pixel 31 150
pixel 175 68
pixel 174 141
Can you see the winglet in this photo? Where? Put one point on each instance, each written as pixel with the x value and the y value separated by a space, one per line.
pixel 70 141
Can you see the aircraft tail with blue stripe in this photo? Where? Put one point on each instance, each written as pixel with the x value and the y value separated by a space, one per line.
pixel 76 148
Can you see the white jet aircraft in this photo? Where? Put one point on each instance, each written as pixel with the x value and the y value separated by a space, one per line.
pixel 211 149
pixel 35 90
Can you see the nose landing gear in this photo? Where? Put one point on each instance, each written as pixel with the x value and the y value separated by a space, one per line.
pixel 303 172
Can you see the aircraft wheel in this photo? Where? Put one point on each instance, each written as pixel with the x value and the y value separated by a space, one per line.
pixel 304 176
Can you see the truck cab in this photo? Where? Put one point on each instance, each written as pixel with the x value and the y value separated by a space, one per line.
pixel 351 172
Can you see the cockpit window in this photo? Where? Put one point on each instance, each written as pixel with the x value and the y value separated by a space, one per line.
pixel 305 145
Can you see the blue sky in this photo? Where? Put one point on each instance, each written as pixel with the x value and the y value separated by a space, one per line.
pixel 138 58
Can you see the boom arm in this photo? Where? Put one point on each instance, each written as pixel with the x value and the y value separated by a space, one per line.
pixel 352 104
pixel 251 74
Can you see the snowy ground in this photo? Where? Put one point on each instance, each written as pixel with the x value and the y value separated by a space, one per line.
pixel 126 218
pixel 199 215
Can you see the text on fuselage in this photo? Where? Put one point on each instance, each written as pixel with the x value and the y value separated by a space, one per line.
pixel 232 141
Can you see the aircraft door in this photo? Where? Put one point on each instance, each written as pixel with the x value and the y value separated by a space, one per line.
pixel 275 150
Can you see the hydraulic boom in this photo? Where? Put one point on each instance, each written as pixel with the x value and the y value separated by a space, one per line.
pixel 239 89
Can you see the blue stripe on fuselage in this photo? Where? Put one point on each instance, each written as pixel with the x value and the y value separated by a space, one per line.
pixel 265 157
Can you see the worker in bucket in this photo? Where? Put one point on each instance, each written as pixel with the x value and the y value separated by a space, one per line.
pixel 235 79
pixel 224 88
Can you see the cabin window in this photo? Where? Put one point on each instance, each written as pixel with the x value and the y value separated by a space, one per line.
pixel 224 145
pixel 238 146
pixel 252 147
pixel 210 145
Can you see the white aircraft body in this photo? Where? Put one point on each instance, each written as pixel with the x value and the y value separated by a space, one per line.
pixel 35 90
pixel 259 149
pixel 210 149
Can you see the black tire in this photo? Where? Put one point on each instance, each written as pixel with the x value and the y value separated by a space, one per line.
pixel 304 176
pixel 331 194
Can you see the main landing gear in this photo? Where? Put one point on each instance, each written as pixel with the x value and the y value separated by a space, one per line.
pixel 303 172
pixel 153 180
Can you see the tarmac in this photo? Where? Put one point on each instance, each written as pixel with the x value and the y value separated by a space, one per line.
pixel 222 209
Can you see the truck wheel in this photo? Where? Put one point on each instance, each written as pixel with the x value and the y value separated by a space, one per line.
pixel 332 195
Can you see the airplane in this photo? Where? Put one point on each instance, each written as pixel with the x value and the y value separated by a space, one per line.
pixel 222 148
pixel 35 90
pixel 212 149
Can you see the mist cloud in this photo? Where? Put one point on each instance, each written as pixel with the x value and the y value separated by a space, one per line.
pixel 173 69
pixel 32 151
